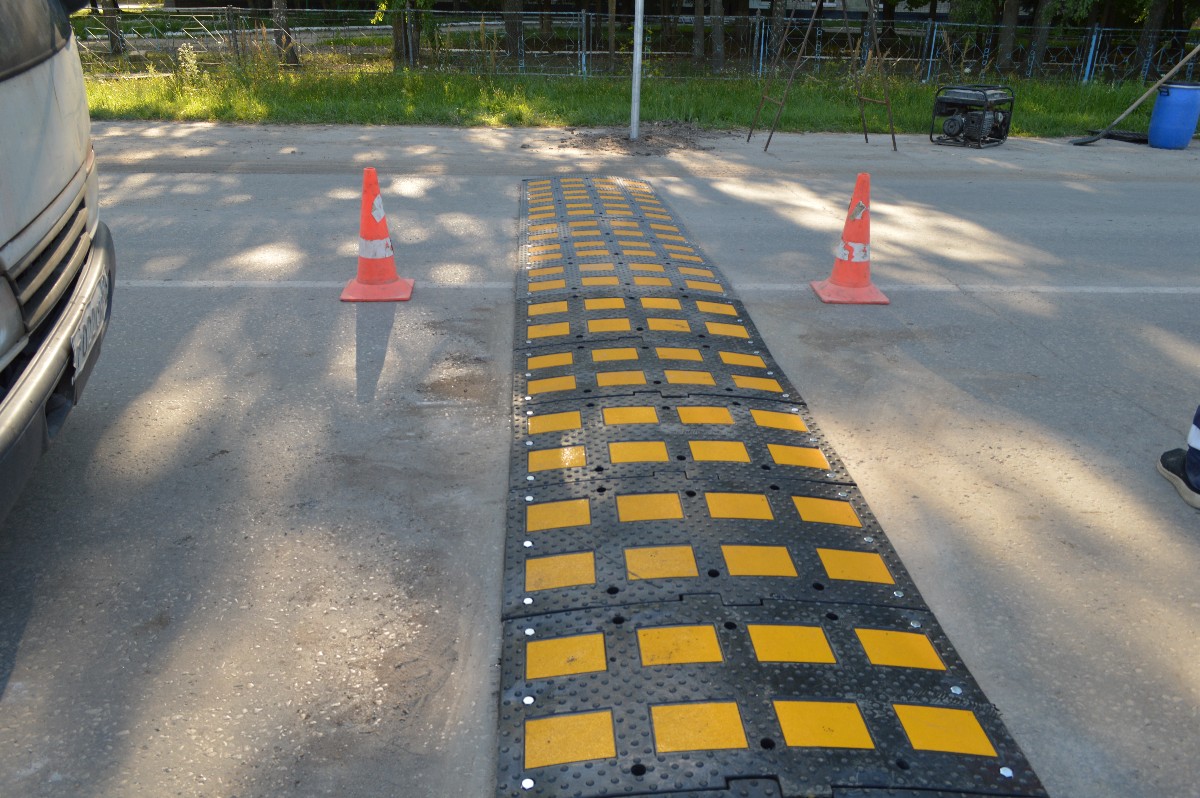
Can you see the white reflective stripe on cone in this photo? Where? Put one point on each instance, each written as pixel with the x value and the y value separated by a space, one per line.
pixel 1194 437
pixel 853 252
pixel 375 250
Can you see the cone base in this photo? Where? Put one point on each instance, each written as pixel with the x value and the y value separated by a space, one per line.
pixel 399 290
pixel 832 294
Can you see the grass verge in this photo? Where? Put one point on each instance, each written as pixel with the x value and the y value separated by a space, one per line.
pixel 377 97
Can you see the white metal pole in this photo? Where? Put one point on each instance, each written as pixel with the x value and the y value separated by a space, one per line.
pixel 639 8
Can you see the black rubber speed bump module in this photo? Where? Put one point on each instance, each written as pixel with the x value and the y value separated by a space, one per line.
pixel 697 600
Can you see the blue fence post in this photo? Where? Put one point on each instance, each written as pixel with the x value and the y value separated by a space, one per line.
pixel 933 43
pixel 817 48
pixel 1091 59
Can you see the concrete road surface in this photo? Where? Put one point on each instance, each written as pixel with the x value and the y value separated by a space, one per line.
pixel 263 557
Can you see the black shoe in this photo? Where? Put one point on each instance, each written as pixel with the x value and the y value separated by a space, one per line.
pixel 1171 466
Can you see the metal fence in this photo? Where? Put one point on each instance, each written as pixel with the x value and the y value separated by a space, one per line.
pixel 583 44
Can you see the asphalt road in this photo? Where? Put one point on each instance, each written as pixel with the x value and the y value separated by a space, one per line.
pixel 263 557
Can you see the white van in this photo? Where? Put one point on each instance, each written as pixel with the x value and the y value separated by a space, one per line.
pixel 56 257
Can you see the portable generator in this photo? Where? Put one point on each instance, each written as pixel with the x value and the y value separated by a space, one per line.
pixel 971 116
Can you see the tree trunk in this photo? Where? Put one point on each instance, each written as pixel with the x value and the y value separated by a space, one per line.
pixel 612 32
pixel 1042 18
pixel 718 35
pixel 778 9
pixel 404 53
pixel 547 21
pixel 109 16
pixel 1008 34
pixel 283 36
pixel 697 32
pixel 512 27
pixel 1149 38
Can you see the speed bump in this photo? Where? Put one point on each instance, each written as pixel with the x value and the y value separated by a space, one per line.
pixel 697 599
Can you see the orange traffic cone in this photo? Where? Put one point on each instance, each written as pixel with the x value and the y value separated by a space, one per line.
pixel 377 280
pixel 850 282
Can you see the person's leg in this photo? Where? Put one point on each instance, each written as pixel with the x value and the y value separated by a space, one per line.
pixel 1181 467
pixel 1193 452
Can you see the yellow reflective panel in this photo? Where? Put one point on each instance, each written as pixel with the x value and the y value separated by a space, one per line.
pixel 822 724
pixel 624 223
pixel 671 353
pixel 630 415
pixel 826 511
pixel 691 258
pixel 565 656
pixel 660 562
pixel 608 325
pixel 666 227
pixel 899 649
pixel 569 738
pixel 737 359
pixel 758 561
pixel 544 272
pixel 548 330
pixel 700 285
pixel 954 731
pixel 551 384
pixel 548 285
pixel 798 456
pixel 596 267
pixel 757 383
pixel 544 248
pixel 775 420
pixel 600 280
pixel 639 253
pixel 549 361
pixel 652 281
pixel 574 225
pixel 678 248
pixel 560 570
pixel 732 330
pixel 542 308
pixel 705 415
pixel 716 307
pixel 584 248
pixel 649 507
pixel 683 377
pixel 668 237
pixel 780 643
pixel 543 259
pixel 855 566
pixel 584 233
pixel 647 267
pixel 557 515
pixel 660 303
pixel 555 422
pixel 692 271
pixel 668 325
pixel 541 216
pixel 720 452
pixel 748 506
pixel 608 355
pixel 638 452
pixel 579 204
pixel 564 457
pixel 697 727
pixel 679 645
pixel 631 234
pixel 608 379
pixel 604 303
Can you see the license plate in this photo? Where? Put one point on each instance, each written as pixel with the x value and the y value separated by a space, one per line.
pixel 84 339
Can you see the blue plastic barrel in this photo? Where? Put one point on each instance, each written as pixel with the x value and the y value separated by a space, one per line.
pixel 1176 112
